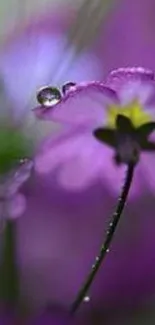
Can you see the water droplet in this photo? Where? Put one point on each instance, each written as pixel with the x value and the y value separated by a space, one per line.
pixel 93 266
pixel 86 299
pixel 108 250
pixel 67 87
pixel 48 96
pixel 97 258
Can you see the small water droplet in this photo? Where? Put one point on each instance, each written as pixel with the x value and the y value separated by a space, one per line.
pixel 48 96
pixel 93 266
pixel 67 87
pixel 97 258
pixel 108 250
pixel 86 299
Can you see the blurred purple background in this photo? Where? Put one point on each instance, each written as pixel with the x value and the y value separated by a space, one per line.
pixel 59 234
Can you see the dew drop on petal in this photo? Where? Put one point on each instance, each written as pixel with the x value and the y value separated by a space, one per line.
pixel 67 87
pixel 86 299
pixel 48 96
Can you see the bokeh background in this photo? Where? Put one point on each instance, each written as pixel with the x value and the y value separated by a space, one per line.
pixel 54 41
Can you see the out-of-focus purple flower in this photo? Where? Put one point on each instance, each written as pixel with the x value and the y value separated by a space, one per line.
pixel 10 197
pixel 75 185
pixel 128 35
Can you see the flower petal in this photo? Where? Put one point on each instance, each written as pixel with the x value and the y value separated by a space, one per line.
pixel 72 155
pixel 133 84
pixel 144 92
pixel 137 87
pixel 117 78
pixel 16 206
pixel 84 105
pixel 19 177
pixel 78 161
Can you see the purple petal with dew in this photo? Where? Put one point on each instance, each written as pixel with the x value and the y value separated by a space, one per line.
pixel 134 84
pixel 143 92
pixel 85 105
pixel 117 78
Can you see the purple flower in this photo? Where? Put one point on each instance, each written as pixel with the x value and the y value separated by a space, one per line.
pixel 75 188
pixel 85 107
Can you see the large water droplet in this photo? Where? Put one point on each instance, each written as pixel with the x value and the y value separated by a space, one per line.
pixel 48 96
pixel 86 299
pixel 67 87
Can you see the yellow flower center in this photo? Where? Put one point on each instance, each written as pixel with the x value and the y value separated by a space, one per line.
pixel 134 111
